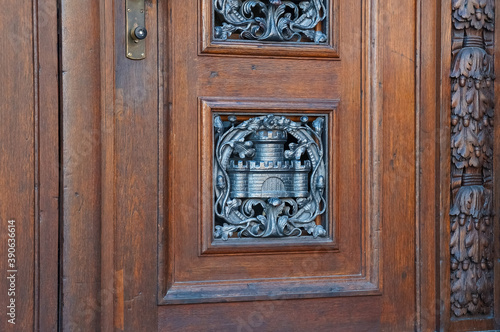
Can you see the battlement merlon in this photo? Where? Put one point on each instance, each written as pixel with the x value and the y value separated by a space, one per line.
pixel 269 136
pixel 279 166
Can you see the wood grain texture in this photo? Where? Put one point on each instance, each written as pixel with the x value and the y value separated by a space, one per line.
pixel 135 177
pixel 30 161
pixel 280 316
pixel 219 78
pixel 398 198
pixel 428 68
pixel 108 289
pixel 81 168
pixel 47 133
pixel 144 112
pixel 17 159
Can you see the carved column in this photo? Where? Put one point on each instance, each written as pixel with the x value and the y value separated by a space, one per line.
pixel 472 110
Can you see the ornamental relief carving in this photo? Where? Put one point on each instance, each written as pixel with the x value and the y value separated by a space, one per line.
pixel 472 76
pixel 271 20
pixel 269 177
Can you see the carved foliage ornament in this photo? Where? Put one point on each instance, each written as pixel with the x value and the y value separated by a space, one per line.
pixel 269 177
pixel 271 20
pixel 472 114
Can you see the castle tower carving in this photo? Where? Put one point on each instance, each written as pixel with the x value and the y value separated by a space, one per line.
pixel 269 174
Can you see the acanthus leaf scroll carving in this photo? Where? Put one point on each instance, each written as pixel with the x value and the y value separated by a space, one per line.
pixel 472 77
pixel 269 177
pixel 270 20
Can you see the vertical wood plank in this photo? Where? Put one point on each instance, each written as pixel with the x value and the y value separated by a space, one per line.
pixel 398 164
pixel 444 166
pixel 108 217
pixel 108 195
pixel 428 173
pixel 136 178
pixel 81 232
pixel 17 160
pixel 48 165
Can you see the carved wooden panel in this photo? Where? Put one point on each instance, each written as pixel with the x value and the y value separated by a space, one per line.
pixel 472 76
pixel 270 27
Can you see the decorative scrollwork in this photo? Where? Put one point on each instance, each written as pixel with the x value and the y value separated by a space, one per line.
pixel 271 20
pixel 260 189
pixel 472 76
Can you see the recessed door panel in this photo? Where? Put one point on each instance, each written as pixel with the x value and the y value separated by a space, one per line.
pixel 267 154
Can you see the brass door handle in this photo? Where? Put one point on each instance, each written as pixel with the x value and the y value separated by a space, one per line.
pixel 135 29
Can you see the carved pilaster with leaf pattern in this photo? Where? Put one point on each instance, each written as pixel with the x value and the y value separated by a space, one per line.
pixel 472 76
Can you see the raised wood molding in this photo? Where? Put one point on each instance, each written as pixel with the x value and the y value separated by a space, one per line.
pixel 367 280
pixel 29 170
pixel 239 47
pixel 428 89
pixel 108 287
pixel 209 105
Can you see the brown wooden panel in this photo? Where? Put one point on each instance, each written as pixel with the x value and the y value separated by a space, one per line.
pixel 133 168
pixel 195 278
pixel 398 198
pixel 444 165
pixel 108 217
pixel 17 159
pixel 80 98
pixel 208 45
pixel 342 314
pixel 428 172
pixel 48 167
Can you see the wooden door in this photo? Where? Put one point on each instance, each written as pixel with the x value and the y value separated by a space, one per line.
pixel 114 196
pixel 187 176
pixel 195 219
pixel 257 125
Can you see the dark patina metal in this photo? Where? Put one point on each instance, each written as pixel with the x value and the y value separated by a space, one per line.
pixel 270 20
pixel 269 177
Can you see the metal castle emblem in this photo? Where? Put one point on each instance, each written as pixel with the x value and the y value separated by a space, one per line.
pixel 269 175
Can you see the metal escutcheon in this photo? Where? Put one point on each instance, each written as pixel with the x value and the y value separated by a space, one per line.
pixel 135 29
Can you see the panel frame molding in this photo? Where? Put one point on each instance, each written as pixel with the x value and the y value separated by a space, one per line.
pixel 284 49
pixel 210 105
pixel 369 280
